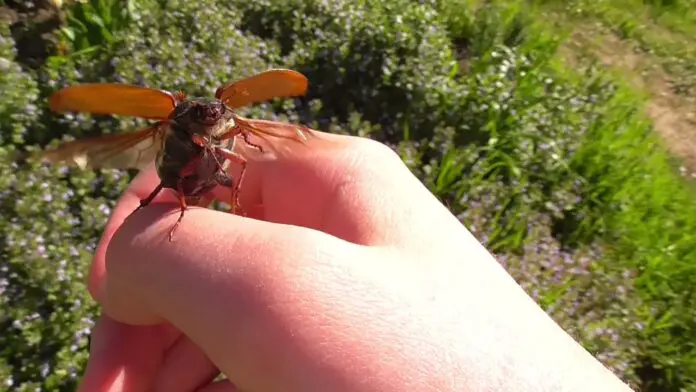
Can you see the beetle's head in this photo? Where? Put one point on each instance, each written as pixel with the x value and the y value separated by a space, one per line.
pixel 199 111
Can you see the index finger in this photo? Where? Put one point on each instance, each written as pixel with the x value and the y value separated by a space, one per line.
pixel 140 188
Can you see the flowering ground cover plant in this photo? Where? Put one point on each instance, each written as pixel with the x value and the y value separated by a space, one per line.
pixel 555 170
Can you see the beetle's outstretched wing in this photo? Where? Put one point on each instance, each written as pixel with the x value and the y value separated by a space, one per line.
pixel 274 134
pixel 274 83
pixel 115 99
pixel 274 129
pixel 129 150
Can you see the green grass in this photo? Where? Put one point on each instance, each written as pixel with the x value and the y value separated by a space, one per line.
pixel 644 209
pixel 549 160
pixel 662 29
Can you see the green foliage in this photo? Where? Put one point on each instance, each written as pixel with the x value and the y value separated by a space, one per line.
pixel 51 220
pixel 18 111
pixel 553 170
pixel 189 47
pixel 388 61
pixel 476 28
pixel 94 24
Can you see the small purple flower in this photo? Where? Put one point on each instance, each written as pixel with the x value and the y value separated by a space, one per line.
pixel 117 175
pixel 90 322
pixel 62 276
pixel 45 370
pixel 73 372
pixel 104 209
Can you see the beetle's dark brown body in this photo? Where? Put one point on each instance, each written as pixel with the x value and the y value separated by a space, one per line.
pixel 195 157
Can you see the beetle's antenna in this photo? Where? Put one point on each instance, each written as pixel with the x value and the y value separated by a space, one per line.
pixel 179 96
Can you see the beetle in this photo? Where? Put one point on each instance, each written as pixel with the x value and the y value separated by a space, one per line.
pixel 193 139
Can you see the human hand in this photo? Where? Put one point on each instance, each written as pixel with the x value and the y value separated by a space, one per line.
pixel 348 275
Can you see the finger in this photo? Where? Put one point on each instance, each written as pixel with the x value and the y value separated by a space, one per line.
pixel 185 368
pixel 124 357
pixel 132 358
pixel 205 236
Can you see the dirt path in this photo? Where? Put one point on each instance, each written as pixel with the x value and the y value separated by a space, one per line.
pixel 674 116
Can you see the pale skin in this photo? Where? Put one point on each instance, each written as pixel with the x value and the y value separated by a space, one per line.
pixel 347 275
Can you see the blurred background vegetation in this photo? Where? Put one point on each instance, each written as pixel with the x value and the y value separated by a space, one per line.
pixel 560 132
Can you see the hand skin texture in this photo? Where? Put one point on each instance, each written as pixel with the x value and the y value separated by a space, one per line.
pixel 347 275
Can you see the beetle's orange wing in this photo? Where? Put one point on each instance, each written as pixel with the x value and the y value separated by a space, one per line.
pixel 113 98
pixel 130 150
pixel 274 83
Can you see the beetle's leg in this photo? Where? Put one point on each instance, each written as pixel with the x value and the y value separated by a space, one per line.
pixel 144 202
pixel 238 129
pixel 182 204
pixel 234 157
pixel 225 179
pixel 245 136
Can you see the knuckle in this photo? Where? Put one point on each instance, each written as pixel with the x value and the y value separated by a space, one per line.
pixel 376 151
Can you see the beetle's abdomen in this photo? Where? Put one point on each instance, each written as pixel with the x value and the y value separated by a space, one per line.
pixel 179 150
